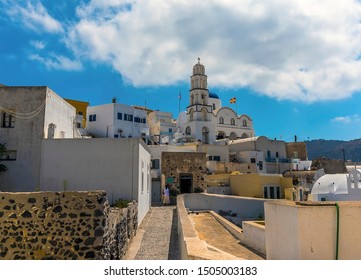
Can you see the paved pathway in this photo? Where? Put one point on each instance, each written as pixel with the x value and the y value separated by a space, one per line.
pixel 157 236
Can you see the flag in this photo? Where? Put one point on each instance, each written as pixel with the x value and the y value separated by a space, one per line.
pixel 232 100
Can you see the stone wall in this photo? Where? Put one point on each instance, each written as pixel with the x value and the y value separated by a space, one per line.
pixel 63 225
pixel 296 148
pixel 175 163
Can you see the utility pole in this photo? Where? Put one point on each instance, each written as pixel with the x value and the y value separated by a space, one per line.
pixel 343 153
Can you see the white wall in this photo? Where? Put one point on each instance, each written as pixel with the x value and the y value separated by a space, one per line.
pixel 107 120
pixel 60 113
pixel 246 208
pixel 38 107
pixel 300 232
pixel 112 165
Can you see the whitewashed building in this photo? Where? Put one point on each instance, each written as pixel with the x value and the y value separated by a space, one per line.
pixel 337 187
pixel 28 115
pixel 269 155
pixel 206 119
pixel 116 120
pixel 121 167
pixel 162 127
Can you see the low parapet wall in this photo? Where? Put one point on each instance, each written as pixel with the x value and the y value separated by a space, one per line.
pixel 64 225
pixel 191 247
pixel 234 208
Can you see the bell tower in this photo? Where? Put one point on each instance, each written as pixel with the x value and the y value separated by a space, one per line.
pixel 199 112
pixel 199 89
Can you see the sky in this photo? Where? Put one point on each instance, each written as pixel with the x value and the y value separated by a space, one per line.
pixel 294 66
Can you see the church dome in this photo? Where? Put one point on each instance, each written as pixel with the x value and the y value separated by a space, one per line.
pixel 213 95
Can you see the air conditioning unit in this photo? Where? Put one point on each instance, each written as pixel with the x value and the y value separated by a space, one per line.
pixel 120 131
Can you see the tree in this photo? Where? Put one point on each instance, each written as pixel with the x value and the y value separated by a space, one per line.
pixel 3 167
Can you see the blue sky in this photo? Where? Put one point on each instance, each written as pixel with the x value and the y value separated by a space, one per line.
pixel 294 66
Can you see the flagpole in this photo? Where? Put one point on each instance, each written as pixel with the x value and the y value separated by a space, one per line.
pixel 179 101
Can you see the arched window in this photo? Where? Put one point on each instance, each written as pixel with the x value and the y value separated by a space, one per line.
pixel 204 114
pixel 188 130
pixel 192 99
pixel 244 123
pixel 191 114
pixel 233 122
pixel 221 120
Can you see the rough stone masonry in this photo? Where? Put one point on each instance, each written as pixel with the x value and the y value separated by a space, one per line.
pixel 64 225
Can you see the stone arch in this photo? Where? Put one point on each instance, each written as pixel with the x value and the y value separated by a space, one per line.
pixel 221 135
pixel 233 136
pixel 244 135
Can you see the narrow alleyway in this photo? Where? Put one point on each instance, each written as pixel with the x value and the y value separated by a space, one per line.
pixel 157 236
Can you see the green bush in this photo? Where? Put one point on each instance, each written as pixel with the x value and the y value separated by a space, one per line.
pixel 121 203
pixel 198 189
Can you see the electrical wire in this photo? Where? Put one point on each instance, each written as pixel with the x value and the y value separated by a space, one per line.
pixel 24 116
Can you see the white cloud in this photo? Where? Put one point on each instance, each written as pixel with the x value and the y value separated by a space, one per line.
pixel 33 16
pixel 295 50
pixel 39 45
pixel 347 119
pixel 57 62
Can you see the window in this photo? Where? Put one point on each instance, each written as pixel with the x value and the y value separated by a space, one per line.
pixel 78 125
pixel 8 120
pixel 214 106
pixel 155 163
pixel 144 120
pixel 272 192
pixel 80 113
pixel 188 130
pixel 92 118
pixel 9 155
pixel 233 122
pixel 170 130
pixel 120 116
pixel 244 123
pixel 221 120
pixel 128 117
pixel 253 160
pixel 116 136
pixel 136 119
pixel 217 158
pixel 276 154
pixel 260 165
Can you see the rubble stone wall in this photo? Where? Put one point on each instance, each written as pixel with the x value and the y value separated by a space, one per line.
pixel 63 225
pixel 176 163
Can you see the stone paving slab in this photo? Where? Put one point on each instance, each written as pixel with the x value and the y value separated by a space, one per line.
pixel 157 236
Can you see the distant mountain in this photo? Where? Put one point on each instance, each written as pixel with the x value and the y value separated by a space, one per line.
pixel 333 149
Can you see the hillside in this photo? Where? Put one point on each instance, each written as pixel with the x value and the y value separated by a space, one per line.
pixel 333 149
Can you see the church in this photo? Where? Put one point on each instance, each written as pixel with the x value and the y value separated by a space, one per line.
pixel 205 120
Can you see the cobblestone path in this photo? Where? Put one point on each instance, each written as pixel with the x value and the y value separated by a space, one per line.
pixel 157 236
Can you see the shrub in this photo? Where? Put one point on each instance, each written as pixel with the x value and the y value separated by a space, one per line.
pixel 198 189
pixel 121 203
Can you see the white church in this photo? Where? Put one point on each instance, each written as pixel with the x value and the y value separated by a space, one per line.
pixel 205 119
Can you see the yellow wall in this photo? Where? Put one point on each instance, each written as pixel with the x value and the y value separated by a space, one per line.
pixel 216 179
pixel 81 108
pixel 251 185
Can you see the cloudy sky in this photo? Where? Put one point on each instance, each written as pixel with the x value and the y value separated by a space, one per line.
pixel 294 66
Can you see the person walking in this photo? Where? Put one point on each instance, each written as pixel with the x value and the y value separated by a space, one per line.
pixel 166 195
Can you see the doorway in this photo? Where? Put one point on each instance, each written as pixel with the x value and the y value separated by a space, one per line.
pixel 186 183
